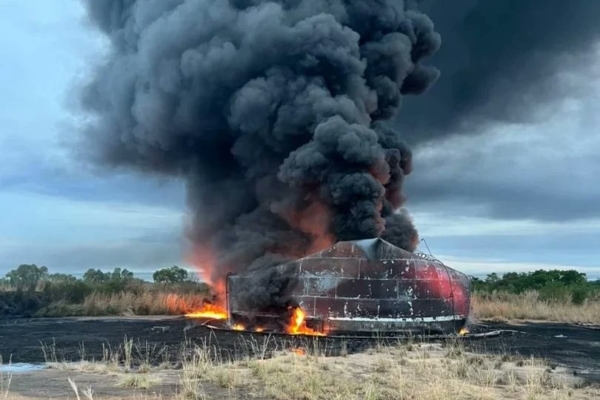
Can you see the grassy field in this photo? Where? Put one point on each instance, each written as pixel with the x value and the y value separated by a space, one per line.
pixel 486 306
pixel 169 300
pixel 529 306
pixel 406 371
pixel 133 299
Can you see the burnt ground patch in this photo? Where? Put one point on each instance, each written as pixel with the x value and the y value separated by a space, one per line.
pixel 575 347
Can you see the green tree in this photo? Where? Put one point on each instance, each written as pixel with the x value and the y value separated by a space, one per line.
pixel 108 282
pixel 121 274
pixel 492 278
pixel 174 274
pixel 96 276
pixel 27 276
pixel 61 279
pixel 120 280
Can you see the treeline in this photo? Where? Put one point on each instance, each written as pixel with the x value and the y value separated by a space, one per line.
pixel 30 290
pixel 551 285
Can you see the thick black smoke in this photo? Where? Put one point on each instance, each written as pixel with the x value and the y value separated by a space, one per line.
pixel 272 111
pixel 502 61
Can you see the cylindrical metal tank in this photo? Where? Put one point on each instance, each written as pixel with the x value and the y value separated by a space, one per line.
pixel 370 286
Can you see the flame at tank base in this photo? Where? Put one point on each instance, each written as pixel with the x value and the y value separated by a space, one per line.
pixel 365 287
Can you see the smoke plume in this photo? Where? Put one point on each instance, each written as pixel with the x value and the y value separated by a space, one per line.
pixel 502 61
pixel 274 113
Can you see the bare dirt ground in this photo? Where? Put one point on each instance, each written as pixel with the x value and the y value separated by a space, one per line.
pixel 54 384
pixel 576 349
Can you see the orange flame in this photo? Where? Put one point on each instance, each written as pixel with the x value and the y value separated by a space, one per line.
pixel 463 331
pixel 299 351
pixel 209 311
pixel 297 324
pixel 201 257
pixel 204 261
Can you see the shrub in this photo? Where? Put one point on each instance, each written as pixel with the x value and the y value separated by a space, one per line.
pixel 71 291
pixel 555 293
pixel 579 295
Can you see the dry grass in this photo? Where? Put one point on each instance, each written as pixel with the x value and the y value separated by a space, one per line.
pixel 528 306
pixel 146 302
pixel 497 306
pixel 427 372
pixel 128 357
pixel 153 299
pixel 138 381
pixel 406 371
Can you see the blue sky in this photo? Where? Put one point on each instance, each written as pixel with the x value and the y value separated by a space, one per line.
pixel 525 199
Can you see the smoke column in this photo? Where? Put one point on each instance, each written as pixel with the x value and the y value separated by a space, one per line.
pixel 502 61
pixel 274 113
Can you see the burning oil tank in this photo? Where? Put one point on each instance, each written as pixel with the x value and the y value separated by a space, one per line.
pixel 367 286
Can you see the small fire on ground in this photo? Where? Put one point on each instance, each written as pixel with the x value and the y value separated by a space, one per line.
pixel 463 331
pixel 211 311
pixel 296 325
pixel 240 327
pixel 299 351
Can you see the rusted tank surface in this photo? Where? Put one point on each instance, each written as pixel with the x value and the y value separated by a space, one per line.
pixel 370 286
